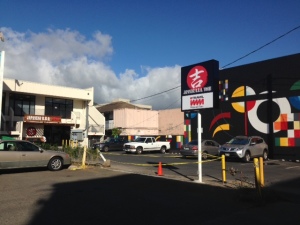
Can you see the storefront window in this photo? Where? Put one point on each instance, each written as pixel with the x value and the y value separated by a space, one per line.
pixel 58 107
pixel 22 104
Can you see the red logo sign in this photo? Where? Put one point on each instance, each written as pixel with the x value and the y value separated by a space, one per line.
pixel 31 131
pixel 197 77
pixel 196 101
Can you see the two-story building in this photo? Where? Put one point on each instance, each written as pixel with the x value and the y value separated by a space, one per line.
pixel 33 110
pixel 140 120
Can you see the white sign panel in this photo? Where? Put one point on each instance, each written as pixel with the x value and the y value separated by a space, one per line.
pixel 197 101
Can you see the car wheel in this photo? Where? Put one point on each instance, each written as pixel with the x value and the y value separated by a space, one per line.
pixel 139 150
pixel 265 155
pixel 55 164
pixel 204 155
pixel 247 157
pixel 163 150
pixel 105 149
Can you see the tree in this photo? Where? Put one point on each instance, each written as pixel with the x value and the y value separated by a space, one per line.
pixel 116 132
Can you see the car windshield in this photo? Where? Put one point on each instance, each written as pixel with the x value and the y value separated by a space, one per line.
pixel 239 141
pixel 140 139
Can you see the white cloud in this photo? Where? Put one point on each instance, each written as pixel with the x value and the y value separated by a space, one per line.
pixel 66 58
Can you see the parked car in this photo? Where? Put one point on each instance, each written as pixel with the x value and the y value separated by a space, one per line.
pixel 110 144
pixel 146 144
pixel 23 154
pixel 209 147
pixel 245 148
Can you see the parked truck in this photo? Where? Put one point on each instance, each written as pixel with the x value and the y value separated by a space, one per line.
pixel 144 144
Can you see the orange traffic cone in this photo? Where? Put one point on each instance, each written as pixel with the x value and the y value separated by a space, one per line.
pixel 160 171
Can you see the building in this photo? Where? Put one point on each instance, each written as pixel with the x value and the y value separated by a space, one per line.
pixel 33 110
pixel 260 98
pixel 140 120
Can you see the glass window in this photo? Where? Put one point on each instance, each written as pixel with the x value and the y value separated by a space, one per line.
pixel 58 107
pixel 22 104
pixel 26 146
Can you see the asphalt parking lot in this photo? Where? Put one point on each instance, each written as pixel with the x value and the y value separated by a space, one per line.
pixel 105 195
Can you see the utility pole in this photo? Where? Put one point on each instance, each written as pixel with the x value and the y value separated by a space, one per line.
pixel 2 55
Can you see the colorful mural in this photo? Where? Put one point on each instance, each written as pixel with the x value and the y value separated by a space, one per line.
pixel 261 98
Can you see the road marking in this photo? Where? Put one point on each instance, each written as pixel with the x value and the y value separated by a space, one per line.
pixel 292 167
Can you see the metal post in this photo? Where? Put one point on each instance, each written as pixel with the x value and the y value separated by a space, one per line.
pixel 199 149
pixel 83 157
pixel 261 172
pixel 2 55
pixel 223 169
pixel 257 177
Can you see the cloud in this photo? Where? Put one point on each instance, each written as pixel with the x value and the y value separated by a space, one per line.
pixel 67 58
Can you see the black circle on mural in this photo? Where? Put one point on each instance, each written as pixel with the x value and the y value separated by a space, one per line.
pixel 262 111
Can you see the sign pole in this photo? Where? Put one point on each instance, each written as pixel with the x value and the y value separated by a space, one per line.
pixel 199 149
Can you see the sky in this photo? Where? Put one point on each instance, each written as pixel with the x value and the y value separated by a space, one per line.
pixel 134 49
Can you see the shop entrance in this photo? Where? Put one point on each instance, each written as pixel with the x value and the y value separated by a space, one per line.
pixel 55 134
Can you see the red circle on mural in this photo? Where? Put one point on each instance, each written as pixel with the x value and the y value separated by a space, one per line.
pixel 197 77
pixel 31 131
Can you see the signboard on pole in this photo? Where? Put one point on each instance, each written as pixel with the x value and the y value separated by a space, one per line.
pixel 199 86
pixel 199 90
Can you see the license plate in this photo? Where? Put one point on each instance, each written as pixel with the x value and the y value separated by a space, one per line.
pixel 227 154
pixel 186 148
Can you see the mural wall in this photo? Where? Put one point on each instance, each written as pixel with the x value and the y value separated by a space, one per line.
pixel 262 99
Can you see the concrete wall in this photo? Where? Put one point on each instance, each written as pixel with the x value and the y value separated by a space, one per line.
pixel 136 122
pixel 171 122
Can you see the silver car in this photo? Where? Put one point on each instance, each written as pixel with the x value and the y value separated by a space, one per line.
pixel 24 154
pixel 245 148
pixel 209 148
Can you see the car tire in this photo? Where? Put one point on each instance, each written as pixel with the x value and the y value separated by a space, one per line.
pixel 163 149
pixel 139 150
pixel 204 155
pixel 265 155
pixel 105 148
pixel 247 157
pixel 55 164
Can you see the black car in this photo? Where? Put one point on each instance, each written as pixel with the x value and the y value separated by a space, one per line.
pixel 110 144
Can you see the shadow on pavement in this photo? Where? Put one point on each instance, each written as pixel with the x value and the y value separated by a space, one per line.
pixel 138 199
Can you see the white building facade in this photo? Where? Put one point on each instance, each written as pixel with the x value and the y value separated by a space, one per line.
pixel 33 110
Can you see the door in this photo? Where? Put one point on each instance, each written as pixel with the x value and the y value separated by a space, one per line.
pixel 150 145
pixel 9 157
pixel 31 156
pixel 211 147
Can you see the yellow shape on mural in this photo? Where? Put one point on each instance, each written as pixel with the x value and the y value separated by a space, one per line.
pixel 239 106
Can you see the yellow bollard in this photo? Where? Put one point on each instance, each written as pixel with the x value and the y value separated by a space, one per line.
pixel 83 157
pixel 257 177
pixel 223 169
pixel 261 172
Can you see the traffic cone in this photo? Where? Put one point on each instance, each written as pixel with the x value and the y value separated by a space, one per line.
pixel 160 171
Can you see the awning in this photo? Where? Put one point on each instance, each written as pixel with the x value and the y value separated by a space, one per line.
pixel 7 138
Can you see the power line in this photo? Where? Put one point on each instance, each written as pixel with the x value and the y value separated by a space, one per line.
pixel 281 36
pixel 155 94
